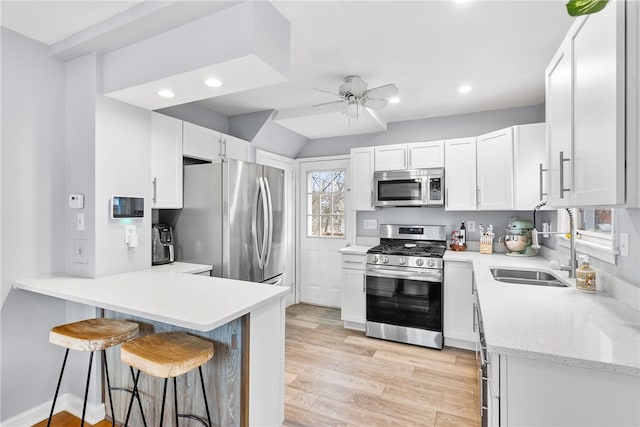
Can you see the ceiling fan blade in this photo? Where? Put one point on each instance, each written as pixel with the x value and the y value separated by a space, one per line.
pixel 329 92
pixel 328 103
pixel 386 91
pixel 375 104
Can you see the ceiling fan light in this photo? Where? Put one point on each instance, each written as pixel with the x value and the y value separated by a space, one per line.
pixel 351 110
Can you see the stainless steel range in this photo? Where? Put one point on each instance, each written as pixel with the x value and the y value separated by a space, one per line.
pixel 404 284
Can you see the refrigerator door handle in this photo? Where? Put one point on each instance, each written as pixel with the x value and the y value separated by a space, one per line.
pixel 254 223
pixel 266 201
pixel 269 220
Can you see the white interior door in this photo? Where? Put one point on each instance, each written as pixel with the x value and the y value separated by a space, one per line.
pixel 323 229
pixel 289 167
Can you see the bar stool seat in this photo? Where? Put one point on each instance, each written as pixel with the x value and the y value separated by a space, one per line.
pixel 168 355
pixel 90 335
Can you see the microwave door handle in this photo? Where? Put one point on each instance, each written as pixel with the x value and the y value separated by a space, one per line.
pixel 254 224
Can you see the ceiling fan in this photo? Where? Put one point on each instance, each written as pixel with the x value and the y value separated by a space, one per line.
pixel 353 94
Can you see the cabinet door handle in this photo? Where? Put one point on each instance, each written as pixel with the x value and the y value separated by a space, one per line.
pixel 352 262
pixel 541 180
pixel 475 309
pixel 562 160
pixel 225 149
pixel 220 147
pixel 446 197
pixel 155 189
pixel 371 197
pixel 364 284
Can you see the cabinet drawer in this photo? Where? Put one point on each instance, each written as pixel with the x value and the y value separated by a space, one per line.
pixel 354 262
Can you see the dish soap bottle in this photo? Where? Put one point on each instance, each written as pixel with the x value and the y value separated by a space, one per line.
pixel 585 275
pixel 462 235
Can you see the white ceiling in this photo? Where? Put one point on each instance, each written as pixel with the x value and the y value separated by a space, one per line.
pixel 427 48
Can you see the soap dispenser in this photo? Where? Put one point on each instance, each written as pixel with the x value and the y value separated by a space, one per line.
pixel 585 275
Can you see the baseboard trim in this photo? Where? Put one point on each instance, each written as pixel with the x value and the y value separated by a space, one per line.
pixel 66 402
pixel 458 343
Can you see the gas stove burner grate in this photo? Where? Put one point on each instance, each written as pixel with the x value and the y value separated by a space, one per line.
pixel 402 249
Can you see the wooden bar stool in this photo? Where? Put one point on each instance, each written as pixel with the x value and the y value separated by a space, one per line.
pixel 168 355
pixel 90 335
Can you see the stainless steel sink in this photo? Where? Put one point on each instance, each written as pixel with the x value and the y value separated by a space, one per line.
pixel 527 277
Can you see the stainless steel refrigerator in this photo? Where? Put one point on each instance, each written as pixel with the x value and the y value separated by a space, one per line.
pixel 233 219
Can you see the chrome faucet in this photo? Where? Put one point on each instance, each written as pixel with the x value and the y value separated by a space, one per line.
pixel 573 264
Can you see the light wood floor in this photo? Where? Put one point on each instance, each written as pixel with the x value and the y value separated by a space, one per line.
pixel 339 377
pixel 65 419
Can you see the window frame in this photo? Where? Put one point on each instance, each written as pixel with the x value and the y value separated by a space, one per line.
pixel 596 245
pixel 309 215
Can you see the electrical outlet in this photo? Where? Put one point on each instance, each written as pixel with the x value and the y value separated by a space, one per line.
pixel 80 254
pixel 624 244
pixel 546 226
pixel 471 226
pixel 370 224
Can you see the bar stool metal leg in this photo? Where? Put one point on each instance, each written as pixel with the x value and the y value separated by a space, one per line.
pixel 86 389
pixel 204 394
pixel 175 400
pixel 135 394
pixel 55 396
pixel 164 398
pixel 106 374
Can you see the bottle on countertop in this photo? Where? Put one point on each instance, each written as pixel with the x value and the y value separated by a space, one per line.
pixel 585 275
pixel 462 235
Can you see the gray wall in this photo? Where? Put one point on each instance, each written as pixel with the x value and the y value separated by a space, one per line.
pixel 196 114
pixel 33 200
pixel 428 130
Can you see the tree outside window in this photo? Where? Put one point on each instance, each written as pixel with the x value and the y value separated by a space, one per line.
pixel 325 203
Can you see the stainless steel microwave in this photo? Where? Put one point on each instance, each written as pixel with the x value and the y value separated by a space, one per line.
pixel 414 187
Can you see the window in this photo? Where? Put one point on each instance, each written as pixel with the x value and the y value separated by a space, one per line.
pixel 596 231
pixel 325 203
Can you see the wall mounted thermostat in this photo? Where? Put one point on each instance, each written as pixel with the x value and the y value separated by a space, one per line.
pixel 76 201
pixel 127 207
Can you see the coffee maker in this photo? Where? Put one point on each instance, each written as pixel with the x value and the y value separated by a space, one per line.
pixel 162 251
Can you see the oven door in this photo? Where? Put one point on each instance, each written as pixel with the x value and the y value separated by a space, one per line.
pixel 405 297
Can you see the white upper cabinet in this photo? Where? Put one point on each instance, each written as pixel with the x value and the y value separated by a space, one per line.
pixel 361 188
pixel 585 110
pixel 528 154
pixel 166 161
pixel 494 159
pixel 235 148
pixel 210 145
pixel 460 170
pixel 426 154
pixel 414 155
pixel 391 157
pixel 508 167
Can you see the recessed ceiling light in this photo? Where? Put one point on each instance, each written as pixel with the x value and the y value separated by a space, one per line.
pixel 166 93
pixel 213 82
pixel 465 89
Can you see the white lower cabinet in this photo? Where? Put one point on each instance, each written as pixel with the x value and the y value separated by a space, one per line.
pixel 459 326
pixel 353 291
pixel 537 393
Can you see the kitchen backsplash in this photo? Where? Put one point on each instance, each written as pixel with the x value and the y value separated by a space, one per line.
pixel 438 216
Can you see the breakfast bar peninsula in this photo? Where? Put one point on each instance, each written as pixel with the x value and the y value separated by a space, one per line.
pixel 244 320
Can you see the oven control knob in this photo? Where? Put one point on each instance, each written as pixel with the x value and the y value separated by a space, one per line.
pixel 431 263
pixel 402 261
pixel 419 262
pixel 385 259
pixel 374 258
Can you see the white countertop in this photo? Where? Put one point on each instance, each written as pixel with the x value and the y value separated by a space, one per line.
pixel 355 249
pixel 553 324
pixel 166 293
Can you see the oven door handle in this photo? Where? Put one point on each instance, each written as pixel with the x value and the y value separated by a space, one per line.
pixel 427 276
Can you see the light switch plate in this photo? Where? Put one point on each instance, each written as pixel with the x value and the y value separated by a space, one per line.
pixel 370 224
pixel 471 226
pixel 76 201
